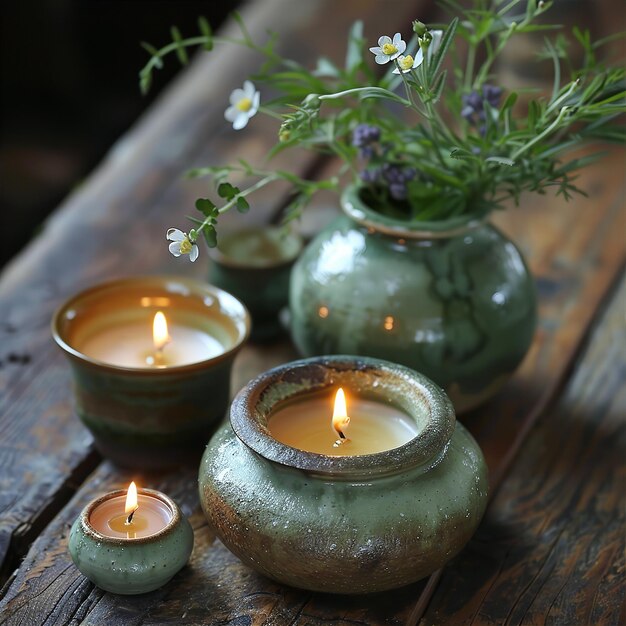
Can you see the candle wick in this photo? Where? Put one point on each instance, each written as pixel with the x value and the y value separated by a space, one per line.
pixel 129 519
pixel 342 439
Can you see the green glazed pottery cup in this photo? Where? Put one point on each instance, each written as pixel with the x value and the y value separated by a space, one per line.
pixel 451 299
pixel 254 265
pixel 131 566
pixel 151 416
pixel 343 524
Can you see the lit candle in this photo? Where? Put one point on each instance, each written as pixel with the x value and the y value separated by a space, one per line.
pixel 146 353
pixel 131 517
pixel 130 542
pixel 128 344
pixel 372 427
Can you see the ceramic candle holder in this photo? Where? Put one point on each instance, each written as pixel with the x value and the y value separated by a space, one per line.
pixel 254 264
pixel 349 524
pixel 131 566
pixel 151 417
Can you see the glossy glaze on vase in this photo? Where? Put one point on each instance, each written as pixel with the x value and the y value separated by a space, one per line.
pixel 350 524
pixel 453 300
pixel 254 264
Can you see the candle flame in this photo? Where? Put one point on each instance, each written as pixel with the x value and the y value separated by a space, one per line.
pixel 160 334
pixel 131 499
pixel 340 413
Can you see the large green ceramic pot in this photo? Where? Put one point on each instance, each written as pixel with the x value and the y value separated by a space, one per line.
pixel 343 524
pixel 452 299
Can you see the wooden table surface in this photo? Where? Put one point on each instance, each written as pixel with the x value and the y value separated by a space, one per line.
pixel 550 549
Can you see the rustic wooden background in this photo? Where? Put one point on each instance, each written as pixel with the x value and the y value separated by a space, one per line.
pixel 551 546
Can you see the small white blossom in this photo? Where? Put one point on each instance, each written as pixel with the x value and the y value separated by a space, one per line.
pixel 181 244
pixel 408 63
pixel 244 103
pixel 388 49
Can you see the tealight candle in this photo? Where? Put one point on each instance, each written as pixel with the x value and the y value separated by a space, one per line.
pixel 151 358
pixel 131 542
pixel 369 427
pixel 131 517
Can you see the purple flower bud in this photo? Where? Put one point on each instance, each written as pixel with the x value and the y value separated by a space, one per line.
pixel 492 93
pixel 397 191
pixel 392 173
pixel 369 175
pixel 364 134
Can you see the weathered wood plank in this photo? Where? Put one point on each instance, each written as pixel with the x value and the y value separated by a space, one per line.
pixel 575 250
pixel 551 549
pixel 114 225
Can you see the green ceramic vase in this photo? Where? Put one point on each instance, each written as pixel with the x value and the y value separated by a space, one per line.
pixel 452 299
pixel 343 524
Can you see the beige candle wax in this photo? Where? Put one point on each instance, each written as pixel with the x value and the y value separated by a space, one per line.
pixel 365 427
pixel 132 344
pixel 131 517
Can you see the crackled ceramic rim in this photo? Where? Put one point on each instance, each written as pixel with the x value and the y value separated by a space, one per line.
pixel 239 316
pixel 357 210
pixel 96 535
pixel 420 398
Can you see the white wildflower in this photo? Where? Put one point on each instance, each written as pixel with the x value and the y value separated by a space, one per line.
pixel 388 49
pixel 182 244
pixel 244 103
pixel 408 63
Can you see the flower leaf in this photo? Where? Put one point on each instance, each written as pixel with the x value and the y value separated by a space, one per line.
pixel 181 53
pixel 354 54
pixel 227 191
pixel 210 236
pixel 154 52
pixel 440 53
pixel 145 80
pixel 500 160
pixel 325 67
pixel 242 205
pixel 205 206
pixel 205 29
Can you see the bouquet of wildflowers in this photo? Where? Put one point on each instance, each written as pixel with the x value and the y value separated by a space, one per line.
pixel 417 120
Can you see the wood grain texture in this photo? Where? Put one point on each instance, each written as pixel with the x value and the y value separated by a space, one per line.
pixel 551 549
pixel 575 252
pixel 113 226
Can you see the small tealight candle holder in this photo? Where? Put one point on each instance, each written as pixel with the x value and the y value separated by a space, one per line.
pixel 254 264
pixel 375 493
pixel 151 359
pixel 131 542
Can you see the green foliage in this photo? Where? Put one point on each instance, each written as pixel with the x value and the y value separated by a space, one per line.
pixel 463 150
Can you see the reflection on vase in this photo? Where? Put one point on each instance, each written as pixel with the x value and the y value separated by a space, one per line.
pixel 455 304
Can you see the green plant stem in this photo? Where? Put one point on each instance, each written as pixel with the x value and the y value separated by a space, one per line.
pixel 541 136
pixel 246 192
pixel 469 68
pixel 564 96
pixel 379 90
pixel 271 113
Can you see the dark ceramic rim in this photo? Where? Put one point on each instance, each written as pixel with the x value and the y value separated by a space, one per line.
pixel 357 210
pixel 90 531
pixel 316 373
pixel 227 261
pixel 194 285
